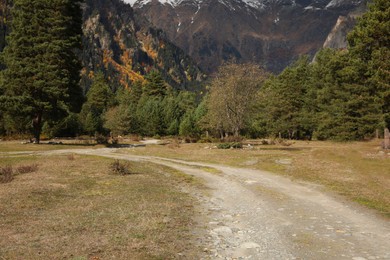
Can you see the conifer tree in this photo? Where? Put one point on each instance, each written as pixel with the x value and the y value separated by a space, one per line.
pixel 155 85
pixel 99 98
pixel 369 44
pixel 41 79
pixel 283 102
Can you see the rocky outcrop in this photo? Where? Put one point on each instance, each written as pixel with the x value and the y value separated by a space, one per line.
pixel 337 38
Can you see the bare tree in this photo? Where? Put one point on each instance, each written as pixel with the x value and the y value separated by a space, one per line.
pixel 232 95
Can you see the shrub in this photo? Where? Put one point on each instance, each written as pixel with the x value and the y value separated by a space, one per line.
pixel 27 168
pixel 206 139
pixel 114 140
pixel 233 145
pixel 6 174
pixel 71 157
pixel 121 168
pixel 101 139
pixel 236 145
pixel 233 139
pixel 264 142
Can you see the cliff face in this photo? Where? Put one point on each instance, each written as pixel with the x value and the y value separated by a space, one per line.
pixel 337 38
pixel 270 32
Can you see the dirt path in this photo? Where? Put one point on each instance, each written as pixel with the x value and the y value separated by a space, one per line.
pixel 251 214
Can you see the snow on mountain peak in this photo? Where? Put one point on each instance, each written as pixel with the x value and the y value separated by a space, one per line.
pixel 257 4
pixel 143 2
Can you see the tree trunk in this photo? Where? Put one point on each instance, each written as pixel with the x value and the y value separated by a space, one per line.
pixel 37 126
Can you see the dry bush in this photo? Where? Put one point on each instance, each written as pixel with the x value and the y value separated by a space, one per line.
pixel 233 139
pixel 135 138
pixel 27 168
pixel 114 140
pixel 175 143
pixel 120 168
pixel 101 139
pixel 265 142
pixel 284 142
pixel 6 174
pixel 71 157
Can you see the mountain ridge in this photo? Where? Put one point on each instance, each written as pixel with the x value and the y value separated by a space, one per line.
pixel 273 33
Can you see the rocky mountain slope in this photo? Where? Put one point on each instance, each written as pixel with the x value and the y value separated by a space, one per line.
pixel 127 47
pixel 124 46
pixel 271 32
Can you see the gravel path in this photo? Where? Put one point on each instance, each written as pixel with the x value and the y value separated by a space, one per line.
pixel 251 214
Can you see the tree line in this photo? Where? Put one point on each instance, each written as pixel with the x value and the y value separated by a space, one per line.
pixel 340 95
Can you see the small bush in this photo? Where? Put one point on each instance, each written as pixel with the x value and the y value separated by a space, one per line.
pixel 27 168
pixel 233 145
pixel 114 140
pixel 233 139
pixel 6 174
pixel 174 144
pixel 206 139
pixel 135 138
pixel 120 168
pixel 101 139
pixel 264 142
pixel 71 157
pixel 189 140
pixel 236 145
pixel 284 142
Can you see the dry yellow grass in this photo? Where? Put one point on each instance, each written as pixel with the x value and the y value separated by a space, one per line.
pixel 359 171
pixel 73 208
pixel 18 146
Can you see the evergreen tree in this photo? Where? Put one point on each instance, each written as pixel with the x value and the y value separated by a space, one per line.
pixel 41 78
pixel 283 102
pixel 346 108
pixel 369 45
pixel 150 116
pixel 155 85
pixel 99 98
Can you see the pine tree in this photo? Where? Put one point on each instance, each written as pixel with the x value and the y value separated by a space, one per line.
pixel 154 85
pixel 369 44
pixel 99 98
pixel 283 102
pixel 41 78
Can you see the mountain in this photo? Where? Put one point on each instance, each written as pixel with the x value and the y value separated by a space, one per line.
pixel 271 32
pixel 124 46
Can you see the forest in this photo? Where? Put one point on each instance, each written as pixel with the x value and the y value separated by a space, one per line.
pixel 340 95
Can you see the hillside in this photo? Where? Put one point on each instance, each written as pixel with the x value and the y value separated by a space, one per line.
pixel 124 46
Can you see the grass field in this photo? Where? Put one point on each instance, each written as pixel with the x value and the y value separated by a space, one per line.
pixel 360 171
pixel 73 207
